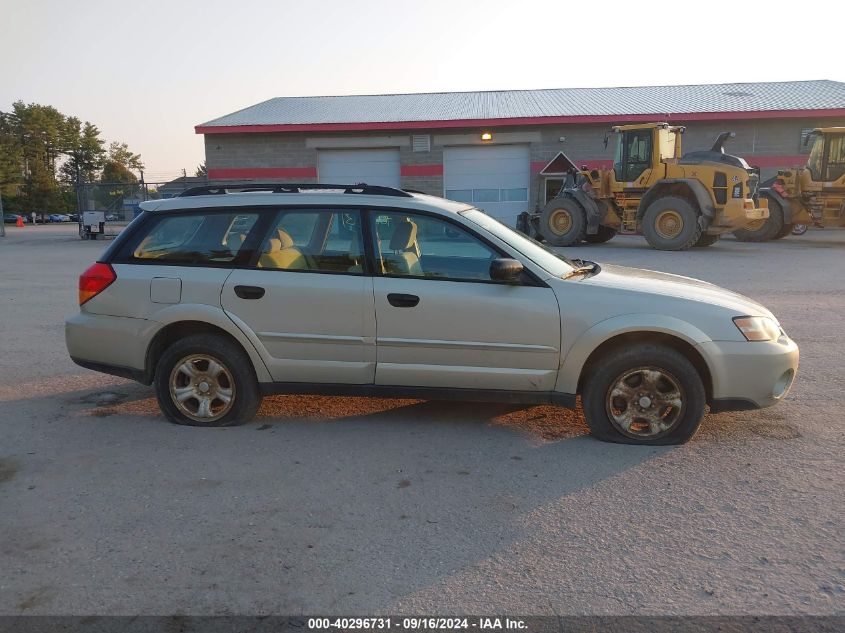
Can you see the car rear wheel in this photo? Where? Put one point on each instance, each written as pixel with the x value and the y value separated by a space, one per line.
pixel 206 380
pixel 563 222
pixel 671 224
pixel 644 394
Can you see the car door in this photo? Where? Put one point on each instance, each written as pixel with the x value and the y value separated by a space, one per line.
pixel 307 298
pixel 443 322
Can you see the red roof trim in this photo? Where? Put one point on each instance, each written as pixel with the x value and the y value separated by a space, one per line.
pixel 421 170
pixel 548 120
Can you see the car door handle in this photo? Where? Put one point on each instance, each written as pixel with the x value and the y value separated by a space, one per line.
pixel 249 292
pixel 398 300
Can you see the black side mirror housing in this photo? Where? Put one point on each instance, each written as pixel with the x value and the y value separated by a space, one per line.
pixel 506 269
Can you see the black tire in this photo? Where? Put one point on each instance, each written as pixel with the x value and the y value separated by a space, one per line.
pixel 599 405
pixel 769 229
pixel 684 217
pixel 604 234
pixel 799 229
pixel 245 397
pixel 706 240
pixel 785 230
pixel 563 222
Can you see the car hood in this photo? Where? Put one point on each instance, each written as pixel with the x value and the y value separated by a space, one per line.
pixel 668 285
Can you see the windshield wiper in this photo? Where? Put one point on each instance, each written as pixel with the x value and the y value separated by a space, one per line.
pixel 582 268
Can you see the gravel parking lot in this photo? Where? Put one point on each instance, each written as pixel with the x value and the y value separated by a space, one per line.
pixel 359 506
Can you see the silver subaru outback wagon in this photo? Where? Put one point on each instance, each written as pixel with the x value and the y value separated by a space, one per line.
pixel 224 295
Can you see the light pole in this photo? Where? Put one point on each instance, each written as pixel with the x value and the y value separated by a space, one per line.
pixel 2 216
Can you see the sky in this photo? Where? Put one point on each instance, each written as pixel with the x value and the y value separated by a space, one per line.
pixel 147 72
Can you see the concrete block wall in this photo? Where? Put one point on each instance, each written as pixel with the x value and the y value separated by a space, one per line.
pixel 776 143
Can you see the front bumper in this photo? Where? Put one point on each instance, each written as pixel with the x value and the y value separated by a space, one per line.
pixel 750 374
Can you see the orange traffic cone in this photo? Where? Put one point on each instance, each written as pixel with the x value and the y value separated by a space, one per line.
pixel 19 222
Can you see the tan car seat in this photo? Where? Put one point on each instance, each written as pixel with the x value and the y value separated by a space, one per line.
pixel 405 258
pixel 281 254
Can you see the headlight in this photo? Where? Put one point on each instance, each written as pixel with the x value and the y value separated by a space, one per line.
pixel 758 328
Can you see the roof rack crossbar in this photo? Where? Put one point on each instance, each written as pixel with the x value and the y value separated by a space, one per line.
pixel 288 187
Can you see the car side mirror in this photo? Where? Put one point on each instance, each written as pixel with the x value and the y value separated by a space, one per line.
pixel 505 269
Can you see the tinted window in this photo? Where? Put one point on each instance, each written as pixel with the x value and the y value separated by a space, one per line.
pixel 196 238
pixel 412 245
pixel 835 158
pixel 314 241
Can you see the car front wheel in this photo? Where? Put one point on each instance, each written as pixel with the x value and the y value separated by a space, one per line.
pixel 644 394
pixel 206 380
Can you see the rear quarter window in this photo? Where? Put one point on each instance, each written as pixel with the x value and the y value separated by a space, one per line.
pixel 192 239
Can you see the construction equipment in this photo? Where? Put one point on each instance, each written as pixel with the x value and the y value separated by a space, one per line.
pixel 813 194
pixel 675 201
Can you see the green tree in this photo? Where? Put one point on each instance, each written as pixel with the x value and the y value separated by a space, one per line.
pixel 117 178
pixel 85 151
pixel 42 133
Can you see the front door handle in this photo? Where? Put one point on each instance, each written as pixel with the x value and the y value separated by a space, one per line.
pixel 398 300
pixel 249 292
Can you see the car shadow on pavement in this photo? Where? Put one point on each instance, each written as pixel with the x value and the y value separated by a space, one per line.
pixel 400 493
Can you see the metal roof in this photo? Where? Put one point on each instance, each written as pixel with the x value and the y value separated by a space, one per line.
pixel 578 103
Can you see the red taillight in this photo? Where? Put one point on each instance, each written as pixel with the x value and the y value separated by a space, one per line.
pixel 93 281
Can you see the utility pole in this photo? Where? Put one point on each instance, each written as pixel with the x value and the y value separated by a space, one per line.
pixel 79 210
pixel 143 186
pixel 2 216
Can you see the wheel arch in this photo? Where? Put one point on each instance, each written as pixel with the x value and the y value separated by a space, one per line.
pixel 688 188
pixel 617 332
pixel 183 320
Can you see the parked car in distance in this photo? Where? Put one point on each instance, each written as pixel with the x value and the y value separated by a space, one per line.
pixel 111 217
pixel 58 217
pixel 219 297
pixel 11 218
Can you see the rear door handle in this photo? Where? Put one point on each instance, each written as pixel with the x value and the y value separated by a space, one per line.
pixel 398 300
pixel 249 292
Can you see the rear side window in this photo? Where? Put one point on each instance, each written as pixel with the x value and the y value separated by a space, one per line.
pixel 195 238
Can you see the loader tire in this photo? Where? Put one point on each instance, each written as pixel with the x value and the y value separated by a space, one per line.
pixel 604 234
pixel 764 230
pixel 706 240
pixel 671 224
pixel 563 222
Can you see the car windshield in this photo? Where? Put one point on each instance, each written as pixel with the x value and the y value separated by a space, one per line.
pixel 546 258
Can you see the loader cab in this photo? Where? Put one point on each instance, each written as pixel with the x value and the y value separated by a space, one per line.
pixel 639 148
pixel 826 162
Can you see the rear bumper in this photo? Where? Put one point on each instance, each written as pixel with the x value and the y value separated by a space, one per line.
pixel 109 344
pixel 738 213
pixel 749 375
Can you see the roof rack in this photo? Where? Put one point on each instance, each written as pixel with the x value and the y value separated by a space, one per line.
pixel 247 187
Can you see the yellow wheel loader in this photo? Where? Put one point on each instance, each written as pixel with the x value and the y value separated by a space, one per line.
pixel 814 194
pixel 676 201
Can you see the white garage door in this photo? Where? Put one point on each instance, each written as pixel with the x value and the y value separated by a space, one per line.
pixel 493 178
pixel 352 166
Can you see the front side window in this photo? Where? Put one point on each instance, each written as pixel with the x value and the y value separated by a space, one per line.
pixel 637 153
pixel 195 239
pixel 835 158
pixel 814 160
pixel 314 240
pixel 555 263
pixel 415 245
